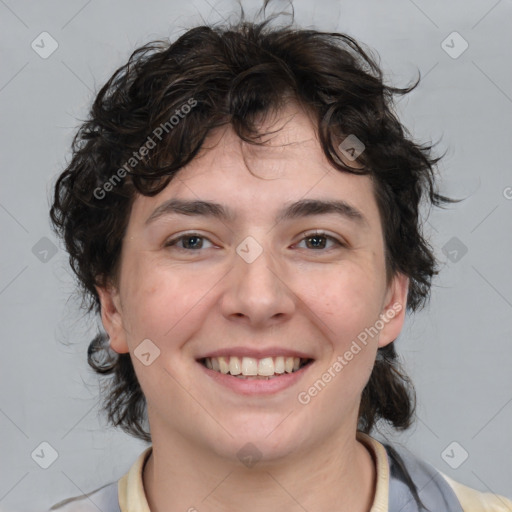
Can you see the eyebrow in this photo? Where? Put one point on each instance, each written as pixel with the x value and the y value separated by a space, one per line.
pixel 298 209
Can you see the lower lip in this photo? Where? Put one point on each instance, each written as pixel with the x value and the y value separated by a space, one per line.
pixel 257 386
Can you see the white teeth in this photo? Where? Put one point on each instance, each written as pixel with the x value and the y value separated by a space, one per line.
pixel 250 366
pixel 235 368
pixel 223 364
pixel 266 366
pixel 279 365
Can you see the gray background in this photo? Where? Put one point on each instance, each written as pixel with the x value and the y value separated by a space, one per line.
pixel 458 350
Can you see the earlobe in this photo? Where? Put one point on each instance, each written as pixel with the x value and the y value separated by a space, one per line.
pixel 393 313
pixel 112 319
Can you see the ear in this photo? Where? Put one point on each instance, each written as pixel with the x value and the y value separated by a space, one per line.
pixel 393 312
pixel 112 319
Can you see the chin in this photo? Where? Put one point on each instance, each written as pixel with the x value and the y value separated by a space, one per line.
pixel 268 439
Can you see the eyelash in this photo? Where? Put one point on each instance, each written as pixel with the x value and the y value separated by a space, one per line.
pixel 318 234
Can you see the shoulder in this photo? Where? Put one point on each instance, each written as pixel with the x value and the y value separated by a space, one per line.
pixel 435 489
pixel 112 496
pixel 476 501
pixel 105 499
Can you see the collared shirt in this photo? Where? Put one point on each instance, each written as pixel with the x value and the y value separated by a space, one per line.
pixel 391 493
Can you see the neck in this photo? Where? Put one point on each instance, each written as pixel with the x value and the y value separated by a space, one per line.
pixel 178 477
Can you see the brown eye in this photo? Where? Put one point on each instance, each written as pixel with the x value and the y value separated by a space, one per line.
pixel 317 241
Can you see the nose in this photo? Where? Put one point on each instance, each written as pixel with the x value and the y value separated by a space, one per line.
pixel 257 292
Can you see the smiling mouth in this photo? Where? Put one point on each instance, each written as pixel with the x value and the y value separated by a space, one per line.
pixel 252 368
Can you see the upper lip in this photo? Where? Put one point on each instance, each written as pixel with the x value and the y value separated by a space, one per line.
pixel 256 353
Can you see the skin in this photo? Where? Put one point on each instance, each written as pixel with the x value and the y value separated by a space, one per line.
pixel 191 301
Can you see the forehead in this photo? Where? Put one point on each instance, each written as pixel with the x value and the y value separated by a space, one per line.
pixel 288 136
pixel 256 180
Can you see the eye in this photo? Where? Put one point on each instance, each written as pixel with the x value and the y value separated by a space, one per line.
pixel 192 241
pixel 318 239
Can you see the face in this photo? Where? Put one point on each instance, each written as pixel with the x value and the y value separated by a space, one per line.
pixel 284 266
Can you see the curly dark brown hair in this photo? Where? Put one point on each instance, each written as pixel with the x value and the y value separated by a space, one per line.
pixel 217 75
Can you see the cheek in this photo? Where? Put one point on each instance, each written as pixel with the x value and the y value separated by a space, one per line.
pixel 159 302
pixel 346 302
pixel 348 309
